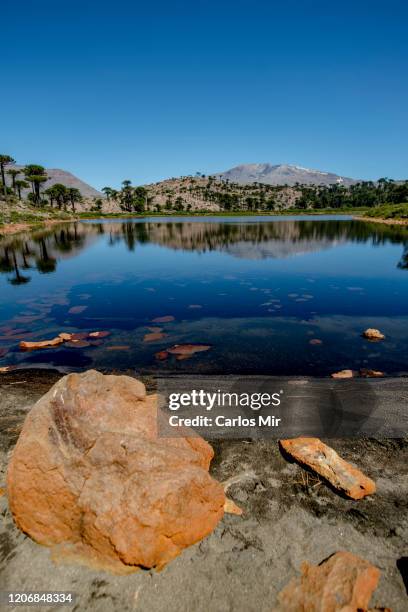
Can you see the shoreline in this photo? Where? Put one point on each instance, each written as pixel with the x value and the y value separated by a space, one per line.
pixel 19 227
pixel 24 226
pixel 383 221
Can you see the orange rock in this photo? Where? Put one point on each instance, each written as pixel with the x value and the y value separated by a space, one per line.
pixel 315 341
pixel 118 347
pixel 154 336
pixel 366 373
pixel 31 346
pixel 186 350
pixel 78 344
pixel 231 507
pixel 165 319
pixel 342 583
pixel 162 355
pixel 89 473
pixel 343 374
pixel 99 334
pixel 373 334
pixel 65 336
pixel 5 369
pixel 314 454
pixel 77 309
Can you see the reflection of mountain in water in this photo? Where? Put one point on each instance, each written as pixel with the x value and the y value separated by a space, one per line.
pixel 41 250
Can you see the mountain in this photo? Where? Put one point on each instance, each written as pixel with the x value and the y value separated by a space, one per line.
pixel 55 175
pixel 282 174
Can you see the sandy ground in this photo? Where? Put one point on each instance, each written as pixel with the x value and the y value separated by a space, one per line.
pixel 247 560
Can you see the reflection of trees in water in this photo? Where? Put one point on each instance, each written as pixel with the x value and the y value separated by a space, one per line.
pixel 41 250
pixel 403 262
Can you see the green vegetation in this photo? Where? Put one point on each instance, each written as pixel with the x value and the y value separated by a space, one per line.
pixel 389 211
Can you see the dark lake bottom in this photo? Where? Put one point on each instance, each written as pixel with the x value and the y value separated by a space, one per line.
pixel 262 295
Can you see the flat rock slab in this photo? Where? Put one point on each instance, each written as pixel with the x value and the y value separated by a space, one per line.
pixel 342 583
pixel 322 459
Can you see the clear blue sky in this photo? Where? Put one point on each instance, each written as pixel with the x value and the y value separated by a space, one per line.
pixel 114 90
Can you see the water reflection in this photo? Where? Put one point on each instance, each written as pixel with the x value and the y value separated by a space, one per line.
pixel 41 250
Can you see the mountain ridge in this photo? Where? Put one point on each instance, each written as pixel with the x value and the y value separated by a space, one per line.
pixel 282 174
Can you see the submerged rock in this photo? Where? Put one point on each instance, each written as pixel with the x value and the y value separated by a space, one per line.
pixel 31 346
pixel 342 583
pixel 154 336
pixel 322 459
pixel 165 319
pixel 373 334
pixel 185 351
pixel 90 477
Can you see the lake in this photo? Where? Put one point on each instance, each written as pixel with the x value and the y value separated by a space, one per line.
pixel 268 295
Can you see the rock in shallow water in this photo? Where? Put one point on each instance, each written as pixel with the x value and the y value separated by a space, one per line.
pixel 90 476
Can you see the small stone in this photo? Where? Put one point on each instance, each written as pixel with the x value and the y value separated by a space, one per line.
pixel 231 507
pixel 315 341
pixel 161 355
pixel 185 351
pixel 77 309
pixel 77 344
pixel 373 334
pixel 366 373
pixel 342 583
pixel 165 319
pixel 342 374
pixel 65 336
pixel 118 347
pixel 154 337
pixel 41 344
pixel 322 459
pixel 99 334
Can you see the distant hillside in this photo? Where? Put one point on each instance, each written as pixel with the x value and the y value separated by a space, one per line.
pixel 282 174
pixel 69 180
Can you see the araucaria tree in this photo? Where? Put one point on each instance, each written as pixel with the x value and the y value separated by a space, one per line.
pixel 36 175
pixel 20 184
pixel 5 160
pixel 13 173
pixel 74 196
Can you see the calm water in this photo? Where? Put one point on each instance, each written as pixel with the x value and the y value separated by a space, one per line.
pixel 256 289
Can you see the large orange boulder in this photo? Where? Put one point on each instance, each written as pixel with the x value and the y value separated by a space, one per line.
pixel 342 583
pixel 89 476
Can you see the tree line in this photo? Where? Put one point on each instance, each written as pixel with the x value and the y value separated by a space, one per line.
pixel 33 176
pixel 129 198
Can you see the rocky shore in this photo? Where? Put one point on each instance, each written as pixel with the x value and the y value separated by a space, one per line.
pixel 289 517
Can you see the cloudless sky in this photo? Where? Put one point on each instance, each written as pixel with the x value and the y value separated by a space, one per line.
pixel 146 90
